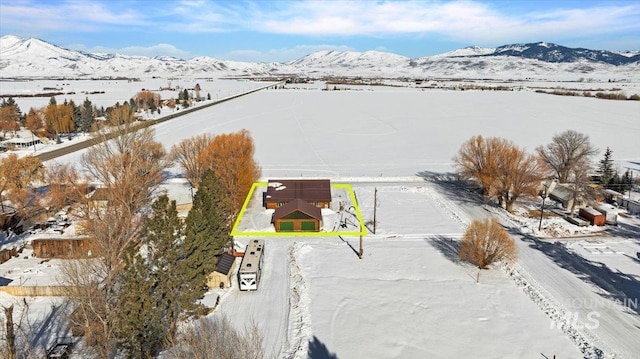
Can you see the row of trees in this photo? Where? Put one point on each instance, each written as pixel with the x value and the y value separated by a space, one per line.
pixel 506 172
pixel 148 268
pixel 50 120
pixel 53 119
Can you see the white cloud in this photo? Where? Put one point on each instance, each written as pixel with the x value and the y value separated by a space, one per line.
pixel 278 55
pixel 458 20
pixel 151 51
pixel 78 16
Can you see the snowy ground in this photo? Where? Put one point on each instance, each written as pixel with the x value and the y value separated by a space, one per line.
pixel 408 298
pixel 116 90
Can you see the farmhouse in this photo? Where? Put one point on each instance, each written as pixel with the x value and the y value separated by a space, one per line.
pixel 297 216
pixel 22 139
pixel 280 192
pixel 221 277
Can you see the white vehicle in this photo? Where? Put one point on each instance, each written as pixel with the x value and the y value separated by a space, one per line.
pixel 251 267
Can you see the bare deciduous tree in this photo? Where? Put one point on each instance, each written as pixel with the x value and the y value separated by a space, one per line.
pixel 518 174
pixel 17 174
pixel 187 155
pixel 502 170
pixel 567 151
pixel 65 186
pixel 230 157
pixel 128 167
pixel 475 160
pixel 212 338
pixel 486 242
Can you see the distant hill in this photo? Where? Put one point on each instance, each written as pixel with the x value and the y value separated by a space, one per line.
pixel 37 58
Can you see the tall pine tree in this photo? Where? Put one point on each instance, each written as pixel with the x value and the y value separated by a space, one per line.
pixel 605 168
pixel 207 230
pixel 154 295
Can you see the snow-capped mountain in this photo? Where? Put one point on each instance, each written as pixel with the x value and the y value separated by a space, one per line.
pixel 36 58
pixel 548 52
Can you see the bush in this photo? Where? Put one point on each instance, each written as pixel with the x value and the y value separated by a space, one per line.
pixel 486 242
pixel 217 338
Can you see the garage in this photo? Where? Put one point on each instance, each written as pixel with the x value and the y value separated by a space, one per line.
pixel 297 216
pixel 285 226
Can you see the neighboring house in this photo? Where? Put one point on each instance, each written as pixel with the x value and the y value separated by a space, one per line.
pixel 563 194
pixel 99 198
pixel 297 216
pixel 221 277
pixel 21 139
pixel 280 192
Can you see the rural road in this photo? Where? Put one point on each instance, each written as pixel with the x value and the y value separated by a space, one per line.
pixel 49 155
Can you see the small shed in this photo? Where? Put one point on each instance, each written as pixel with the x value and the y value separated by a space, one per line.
pixel 593 216
pixel 221 277
pixel 610 213
pixel 297 216
pixel 62 247
pixel 562 194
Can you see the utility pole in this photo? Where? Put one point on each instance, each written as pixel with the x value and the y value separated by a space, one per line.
pixel 361 251
pixel 375 206
pixel 548 187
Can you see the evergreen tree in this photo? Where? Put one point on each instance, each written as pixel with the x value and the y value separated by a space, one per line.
pixel 87 114
pixel 139 329
pixel 605 169
pixel 185 98
pixel 154 293
pixel 207 230
pixel 77 113
pixel 10 102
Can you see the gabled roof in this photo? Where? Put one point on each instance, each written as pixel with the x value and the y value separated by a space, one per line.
pixel 308 190
pixel 299 206
pixel 561 193
pixel 225 262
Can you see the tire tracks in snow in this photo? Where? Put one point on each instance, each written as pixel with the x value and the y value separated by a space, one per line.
pixel 299 331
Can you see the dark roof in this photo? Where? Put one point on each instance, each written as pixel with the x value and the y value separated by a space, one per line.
pixel 225 262
pixel 308 190
pixel 300 206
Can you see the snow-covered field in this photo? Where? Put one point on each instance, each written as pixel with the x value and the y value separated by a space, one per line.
pixel 105 93
pixel 389 132
pixel 408 297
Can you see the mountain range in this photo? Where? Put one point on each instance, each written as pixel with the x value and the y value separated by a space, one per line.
pixel 31 57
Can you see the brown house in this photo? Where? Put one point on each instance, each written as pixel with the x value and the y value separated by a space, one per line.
pixel 297 216
pixel 280 192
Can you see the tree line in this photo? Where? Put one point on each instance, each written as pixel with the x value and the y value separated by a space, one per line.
pixel 148 268
pixel 505 172
pixel 54 119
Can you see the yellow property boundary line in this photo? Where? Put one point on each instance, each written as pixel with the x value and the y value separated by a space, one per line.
pixel 345 186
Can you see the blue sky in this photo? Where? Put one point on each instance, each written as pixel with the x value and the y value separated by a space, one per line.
pixel 287 30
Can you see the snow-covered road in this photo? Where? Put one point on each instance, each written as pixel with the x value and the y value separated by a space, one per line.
pixel 572 285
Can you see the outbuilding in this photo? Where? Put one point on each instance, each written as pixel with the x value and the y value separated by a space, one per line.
pixel 221 277
pixel 592 215
pixel 297 216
